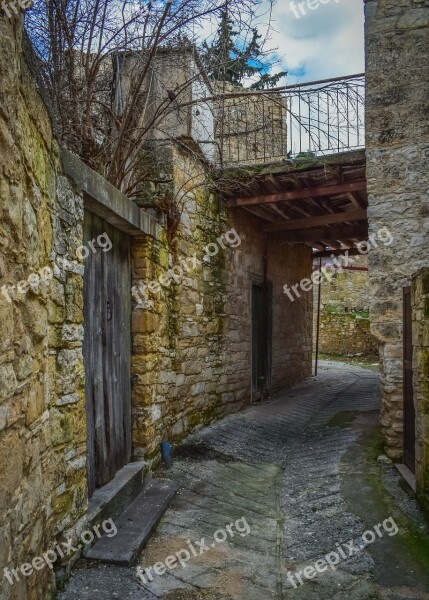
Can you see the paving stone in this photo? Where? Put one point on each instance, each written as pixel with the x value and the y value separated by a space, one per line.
pixel 285 467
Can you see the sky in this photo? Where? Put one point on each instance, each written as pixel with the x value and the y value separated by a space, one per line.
pixel 325 42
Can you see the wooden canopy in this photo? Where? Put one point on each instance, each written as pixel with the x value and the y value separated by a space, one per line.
pixel 321 202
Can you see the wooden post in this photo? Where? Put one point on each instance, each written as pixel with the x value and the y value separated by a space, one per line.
pixel 318 319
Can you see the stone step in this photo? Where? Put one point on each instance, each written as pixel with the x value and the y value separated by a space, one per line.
pixel 109 501
pixel 134 525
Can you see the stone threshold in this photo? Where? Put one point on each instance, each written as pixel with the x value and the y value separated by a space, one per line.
pixel 407 474
pixel 134 526
pixel 110 500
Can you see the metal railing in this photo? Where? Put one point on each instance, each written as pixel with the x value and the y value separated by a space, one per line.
pixel 309 119
pixel 326 116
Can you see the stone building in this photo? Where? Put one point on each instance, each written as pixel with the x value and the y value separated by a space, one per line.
pixel 397 155
pixel 250 127
pixel 103 306
pixel 184 352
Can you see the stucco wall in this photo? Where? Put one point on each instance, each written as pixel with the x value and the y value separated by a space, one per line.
pixel 397 152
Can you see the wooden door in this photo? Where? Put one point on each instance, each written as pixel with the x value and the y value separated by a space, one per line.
pixel 261 336
pixel 409 409
pixel 107 351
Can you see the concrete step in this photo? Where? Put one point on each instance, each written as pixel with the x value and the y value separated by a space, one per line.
pixel 134 525
pixel 109 501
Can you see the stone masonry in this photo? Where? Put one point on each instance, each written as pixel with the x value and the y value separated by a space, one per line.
pixel 344 315
pixel 42 410
pixel 397 151
pixel 191 342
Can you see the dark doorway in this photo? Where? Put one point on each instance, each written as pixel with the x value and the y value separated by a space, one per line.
pixel 409 410
pixel 107 350
pixel 261 338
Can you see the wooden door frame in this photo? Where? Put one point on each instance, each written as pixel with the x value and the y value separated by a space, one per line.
pixel 107 352
pixel 104 200
pixel 259 283
pixel 409 407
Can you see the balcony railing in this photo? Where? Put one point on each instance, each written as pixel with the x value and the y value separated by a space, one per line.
pixel 316 118
pixel 326 116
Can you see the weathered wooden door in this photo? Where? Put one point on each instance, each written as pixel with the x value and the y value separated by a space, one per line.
pixel 261 336
pixel 107 351
pixel 409 409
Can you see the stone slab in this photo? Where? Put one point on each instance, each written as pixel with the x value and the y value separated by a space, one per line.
pixel 110 500
pixel 135 525
pixel 106 201
pixel 407 474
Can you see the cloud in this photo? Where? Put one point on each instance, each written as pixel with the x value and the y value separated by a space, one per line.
pixel 325 42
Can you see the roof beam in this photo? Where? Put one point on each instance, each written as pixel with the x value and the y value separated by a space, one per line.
pixel 331 219
pixel 259 211
pixel 301 194
pixel 318 234
pixel 356 201
pixel 332 253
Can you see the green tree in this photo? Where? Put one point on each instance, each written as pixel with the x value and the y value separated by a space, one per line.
pixel 225 60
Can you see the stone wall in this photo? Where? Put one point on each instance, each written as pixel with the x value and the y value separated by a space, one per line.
pixel 420 307
pixel 249 128
pixel 397 152
pixel 346 334
pixel 192 339
pixel 42 411
pixel 344 316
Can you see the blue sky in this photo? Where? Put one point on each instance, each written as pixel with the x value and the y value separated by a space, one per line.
pixel 327 41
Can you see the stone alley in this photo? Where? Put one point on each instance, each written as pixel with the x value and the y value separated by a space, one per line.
pixel 305 470
pixel 214 300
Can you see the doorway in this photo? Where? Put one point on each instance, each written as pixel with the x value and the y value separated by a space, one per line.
pixel 409 409
pixel 107 351
pixel 261 339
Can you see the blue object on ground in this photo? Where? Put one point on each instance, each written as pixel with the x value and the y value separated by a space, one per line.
pixel 166 454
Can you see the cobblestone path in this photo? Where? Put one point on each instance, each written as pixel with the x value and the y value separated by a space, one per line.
pixel 295 479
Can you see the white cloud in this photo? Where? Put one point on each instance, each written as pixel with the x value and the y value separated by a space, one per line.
pixel 325 42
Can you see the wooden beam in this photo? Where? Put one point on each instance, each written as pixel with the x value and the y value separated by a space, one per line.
pixel 357 202
pixel 330 253
pixel 258 211
pixel 319 247
pixel 296 224
pixel 316 192
pixel 320 233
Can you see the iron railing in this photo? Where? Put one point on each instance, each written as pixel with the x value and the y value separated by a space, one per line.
pixel 316 118
pixel 326 116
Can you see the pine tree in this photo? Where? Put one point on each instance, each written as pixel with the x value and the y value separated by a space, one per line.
pixel 226 61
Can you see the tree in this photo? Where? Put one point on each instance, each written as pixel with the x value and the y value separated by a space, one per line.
pixel 225 60
pixel 97 60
